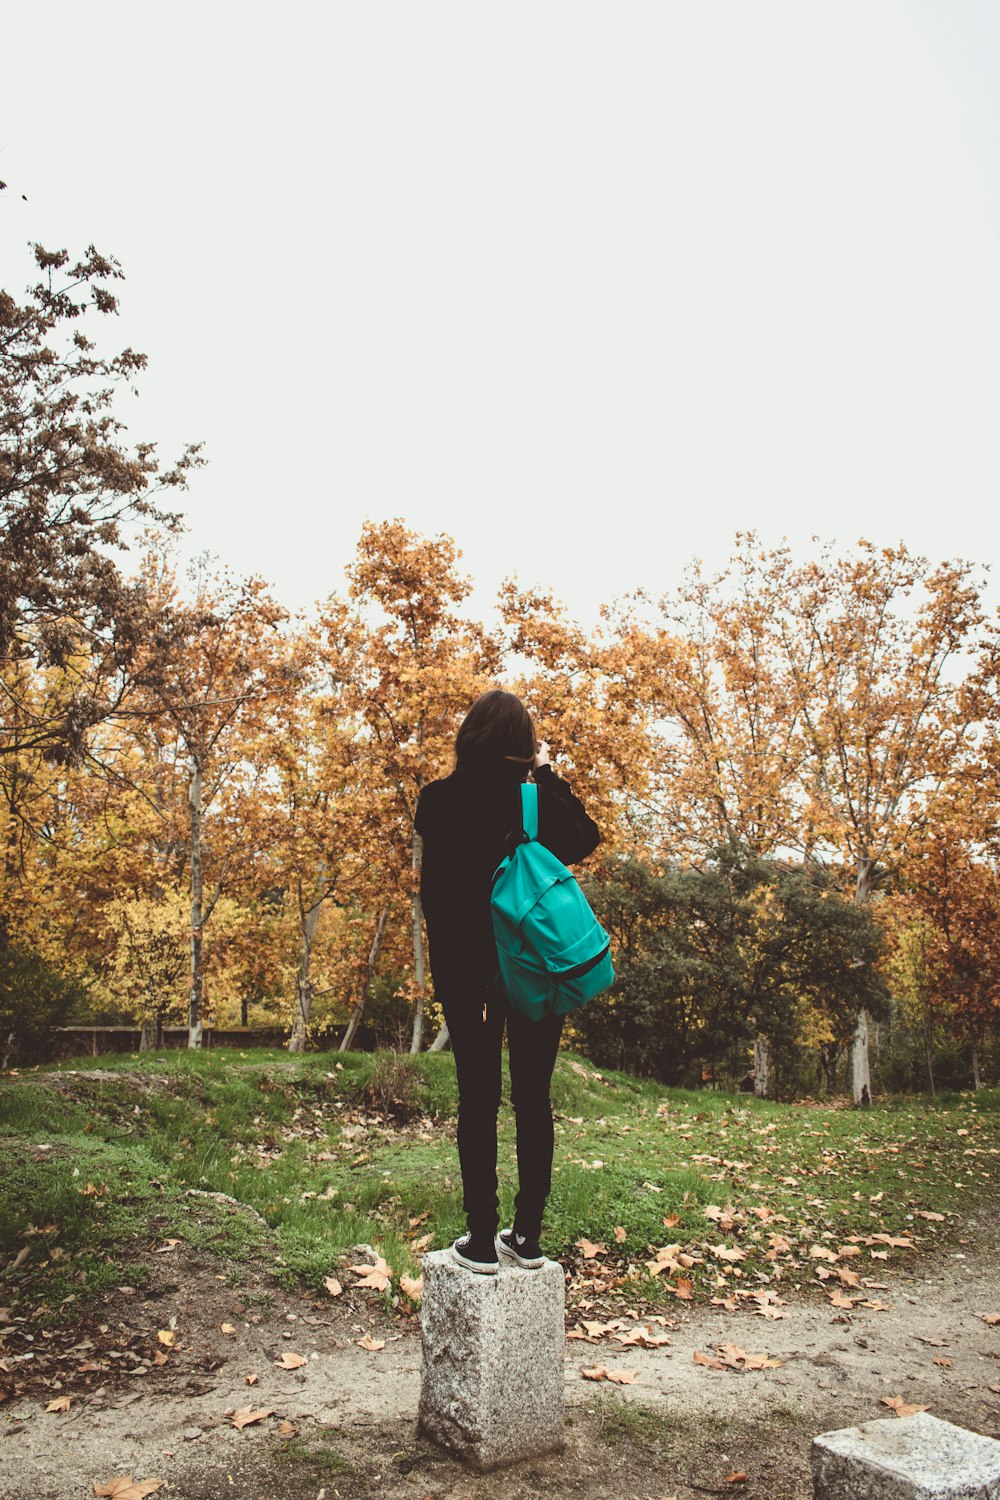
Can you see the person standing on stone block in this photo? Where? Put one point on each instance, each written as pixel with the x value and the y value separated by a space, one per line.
pixel 468 822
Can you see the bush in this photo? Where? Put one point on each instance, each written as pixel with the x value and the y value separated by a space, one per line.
pixel 33 998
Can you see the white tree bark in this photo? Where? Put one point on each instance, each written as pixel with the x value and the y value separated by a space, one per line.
pixel 861 1077
pixel 442 1039
pixel 309 921
pixel 197 892
pixel 763 1080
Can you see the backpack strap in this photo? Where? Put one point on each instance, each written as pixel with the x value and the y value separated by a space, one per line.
pixel 529 809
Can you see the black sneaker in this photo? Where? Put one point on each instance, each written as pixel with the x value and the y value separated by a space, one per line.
pixel 525 1252
pixel 476 1254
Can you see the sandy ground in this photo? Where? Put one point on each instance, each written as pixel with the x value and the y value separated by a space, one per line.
pixel 680 1429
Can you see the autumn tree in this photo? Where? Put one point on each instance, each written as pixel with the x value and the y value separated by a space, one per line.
pixel 582 690
pixel 148 939
pixel 950 897
pixel 212 672
pixel 69 484
pixel 326 853
pixel 415 664
pixel 705 662
pixel 878 644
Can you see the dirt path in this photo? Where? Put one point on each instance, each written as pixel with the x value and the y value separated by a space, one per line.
pixel 680 1429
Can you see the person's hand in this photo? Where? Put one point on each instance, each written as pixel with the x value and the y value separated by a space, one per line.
pixel 542 757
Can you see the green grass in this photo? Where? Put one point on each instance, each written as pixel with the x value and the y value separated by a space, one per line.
pixel 337 1151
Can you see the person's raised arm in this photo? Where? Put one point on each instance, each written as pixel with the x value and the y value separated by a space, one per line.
pixel 564 825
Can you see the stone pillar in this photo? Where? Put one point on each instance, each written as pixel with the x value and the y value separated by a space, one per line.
pixel 905 1458
pixel 491 1380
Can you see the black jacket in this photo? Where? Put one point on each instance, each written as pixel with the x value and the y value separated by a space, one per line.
pixel 464 821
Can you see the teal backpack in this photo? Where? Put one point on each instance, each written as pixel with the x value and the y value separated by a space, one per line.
pixel 554 954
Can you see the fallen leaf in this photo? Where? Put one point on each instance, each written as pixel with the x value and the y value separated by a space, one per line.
pixel 252 1379
pixel 61 1403
pixel 902 1408
pixel 376 1276
pixel 708 1360
pixel 286 1429
pixel 622 1377
pixel 367 1342
pixel 167 1336
pixel 412 1286
pixel 245 1415
pixel 128 1488
pixel 226 1328
pixel 943 1361
pixel 991 1319
pixel 620 1234
pixel 332 1285
pixel 590 1250
pixel 594 1372
pixel 738 1476
pixel 290 1361
pixel 727 1252
pixel 838 1298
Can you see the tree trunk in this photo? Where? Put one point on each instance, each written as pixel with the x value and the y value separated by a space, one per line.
pixel 194 1005
pixel 977 1077
pixel 861 1077
pixel 147 1037
pixel 416 1041
pixel 303 982
pixel 929 1058
pixel 763 1080
pixel 442 1039
pixel 358 1011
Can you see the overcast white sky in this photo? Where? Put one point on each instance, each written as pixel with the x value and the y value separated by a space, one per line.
pixel 588 286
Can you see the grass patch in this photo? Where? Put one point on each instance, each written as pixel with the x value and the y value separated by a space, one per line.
pixel 317 1457
pixel 643 1427
pixel 333 1152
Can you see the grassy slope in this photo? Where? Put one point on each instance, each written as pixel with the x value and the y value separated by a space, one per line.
pixel 95 1171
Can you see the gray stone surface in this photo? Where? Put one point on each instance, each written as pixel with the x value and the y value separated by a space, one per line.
pixel 905 1458
pixel 491 1377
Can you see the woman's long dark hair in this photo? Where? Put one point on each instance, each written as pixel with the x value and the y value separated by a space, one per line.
pixel 497 725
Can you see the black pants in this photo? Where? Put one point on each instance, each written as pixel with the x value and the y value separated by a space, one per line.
pixel 531 1048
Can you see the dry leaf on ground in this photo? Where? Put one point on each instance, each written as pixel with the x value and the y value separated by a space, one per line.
pixel 167 1336
pixel 332 1285
pixel 61 1403
pixel 246 1415
pixel 413 1286
pixel 902 1408
pixel 377 1276
pixel 367 1342
pixel 128 1488
pixel 290 1361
